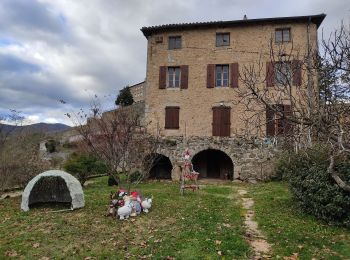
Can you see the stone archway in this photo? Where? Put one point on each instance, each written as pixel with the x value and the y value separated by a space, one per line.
pixel 161 166
pixel 213 163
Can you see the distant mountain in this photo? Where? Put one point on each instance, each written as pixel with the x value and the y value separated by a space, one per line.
pixel 35 128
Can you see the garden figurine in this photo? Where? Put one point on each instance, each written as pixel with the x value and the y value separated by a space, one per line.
pixel 125 211
pixel 146 205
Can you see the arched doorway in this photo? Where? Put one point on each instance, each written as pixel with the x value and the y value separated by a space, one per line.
pixel 160 166
pixel 212 163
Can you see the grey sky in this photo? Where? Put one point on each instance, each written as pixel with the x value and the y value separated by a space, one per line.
pixel 71 50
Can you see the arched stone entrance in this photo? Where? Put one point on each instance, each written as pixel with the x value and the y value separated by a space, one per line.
pixel 212 163
pixel 161 167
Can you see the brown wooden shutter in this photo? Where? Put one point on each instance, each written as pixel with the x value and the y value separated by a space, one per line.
pixel 296 67
pixel 221 121
pixel 270 122
pixel 270 74
pixel 184 76
pixel 162 77
pixel 225 127
pixel 234 75
pixel 210 75
pixel 288 126
pixel 172 117
pixel 216 121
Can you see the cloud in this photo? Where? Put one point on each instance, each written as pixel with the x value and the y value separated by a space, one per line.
pixel 70 50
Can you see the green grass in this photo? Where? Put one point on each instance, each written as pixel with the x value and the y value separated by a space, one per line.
pixel 198 225
pixel 291 231
pixel 195 226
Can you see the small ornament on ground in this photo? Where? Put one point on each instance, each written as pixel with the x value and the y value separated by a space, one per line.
pixel 122 205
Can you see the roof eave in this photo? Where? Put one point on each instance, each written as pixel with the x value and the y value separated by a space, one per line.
pixel 147 31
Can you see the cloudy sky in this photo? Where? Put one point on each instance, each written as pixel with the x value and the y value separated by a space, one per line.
pixel 53 50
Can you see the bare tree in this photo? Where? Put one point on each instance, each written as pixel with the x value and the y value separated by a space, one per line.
pixel 119 138
pixel 19 152
pixel 302 97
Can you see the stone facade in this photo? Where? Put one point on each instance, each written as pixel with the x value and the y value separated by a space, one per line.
pixel 249 42
pixel 251 158
pixel 137 92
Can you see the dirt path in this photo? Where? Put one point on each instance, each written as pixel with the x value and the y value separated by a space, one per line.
pixel 253 235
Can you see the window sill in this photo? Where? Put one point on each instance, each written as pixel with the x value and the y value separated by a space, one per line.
pixel 279 43
pixel 167 128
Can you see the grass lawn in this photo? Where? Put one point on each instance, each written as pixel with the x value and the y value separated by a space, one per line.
pixel 207 224
pixel 196 226
pixel 290 231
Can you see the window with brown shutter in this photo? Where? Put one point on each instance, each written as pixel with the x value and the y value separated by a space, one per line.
pixel 210 75
pixel 277 123
pixel 296 67
pixel 184 76
pixel 221 121
pixel 283 73
pixel 172 117
pixel 270 74
pixel 221 75
pixel 162 77
pixel 270 122
pixel 234 75
pixel 173 77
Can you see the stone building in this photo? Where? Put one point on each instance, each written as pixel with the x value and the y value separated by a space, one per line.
pixel 137 92
pixel 192 74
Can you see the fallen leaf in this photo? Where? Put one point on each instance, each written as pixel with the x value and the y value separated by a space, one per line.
pixel 36 245
pixel 11 253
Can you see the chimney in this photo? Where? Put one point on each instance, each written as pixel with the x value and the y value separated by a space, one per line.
pixel 245 17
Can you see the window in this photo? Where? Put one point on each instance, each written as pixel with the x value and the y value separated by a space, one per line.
pixel 174 42
pixel 174 77
pixel 221 121
pixel 276 121
pixel 222 39
pixel 283 73
pixel 282 35
pixel 172 117
pixel 221 75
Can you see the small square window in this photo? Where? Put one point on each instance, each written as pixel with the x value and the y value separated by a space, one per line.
pixel 174 74
pixel 222 39
pixel 221 75
pixel 282 35
pixel 174 42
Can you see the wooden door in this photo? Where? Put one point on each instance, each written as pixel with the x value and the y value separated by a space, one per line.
pixel 221 121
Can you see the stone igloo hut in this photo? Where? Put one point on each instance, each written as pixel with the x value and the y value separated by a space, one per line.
pixel 53 186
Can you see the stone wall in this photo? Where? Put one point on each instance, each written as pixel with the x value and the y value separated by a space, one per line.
pixel 252 159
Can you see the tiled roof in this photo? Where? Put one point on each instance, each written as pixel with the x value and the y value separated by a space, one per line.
pixel 147 31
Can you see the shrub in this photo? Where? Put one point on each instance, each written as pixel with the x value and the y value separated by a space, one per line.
pixel 84 165
pixel 136 176
pixel 51 146
pixel 313 188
